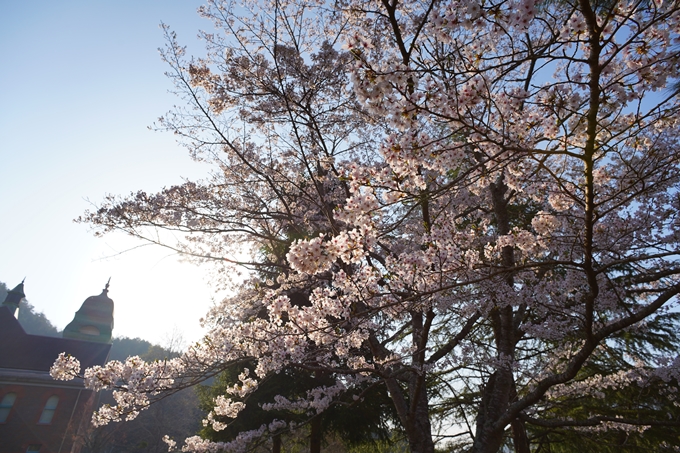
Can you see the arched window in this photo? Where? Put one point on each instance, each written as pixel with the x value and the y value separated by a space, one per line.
pixel 6 406
pixel 48 411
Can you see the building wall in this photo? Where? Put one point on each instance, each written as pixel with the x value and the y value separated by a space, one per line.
pixel 62 435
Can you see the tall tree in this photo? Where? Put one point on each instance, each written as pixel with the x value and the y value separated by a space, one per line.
pixel 479 195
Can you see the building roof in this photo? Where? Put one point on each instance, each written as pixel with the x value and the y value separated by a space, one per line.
pixel 19 350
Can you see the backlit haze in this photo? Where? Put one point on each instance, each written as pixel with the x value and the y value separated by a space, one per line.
pixel 80 81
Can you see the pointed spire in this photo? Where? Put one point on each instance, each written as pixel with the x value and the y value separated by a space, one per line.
pixel 14 298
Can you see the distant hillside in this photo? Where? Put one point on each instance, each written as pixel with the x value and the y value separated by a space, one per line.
pixel 33 322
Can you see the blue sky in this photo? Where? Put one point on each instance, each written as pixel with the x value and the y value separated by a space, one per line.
pixel 80 82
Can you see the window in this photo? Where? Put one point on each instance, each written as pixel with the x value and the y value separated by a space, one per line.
pixel 33 448
pixel 89 330
pixel 6 406
pixel 48 411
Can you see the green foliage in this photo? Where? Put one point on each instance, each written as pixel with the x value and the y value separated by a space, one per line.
pixel 365 422
pixel 361 423
pixel 630 401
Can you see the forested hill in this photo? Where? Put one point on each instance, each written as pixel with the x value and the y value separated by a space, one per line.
pixel 33 322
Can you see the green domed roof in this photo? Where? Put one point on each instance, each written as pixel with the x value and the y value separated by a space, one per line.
pixel 94 320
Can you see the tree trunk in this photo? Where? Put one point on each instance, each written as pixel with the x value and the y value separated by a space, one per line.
pixel 315 435
pixel 414 411
pixel 500 388
pixel 519 437
pixel 495 399
pixel 421 416
pixel 420 433
pixel 276 443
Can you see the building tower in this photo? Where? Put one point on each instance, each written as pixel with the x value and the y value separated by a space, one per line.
pixel 94 320
pixel 14 298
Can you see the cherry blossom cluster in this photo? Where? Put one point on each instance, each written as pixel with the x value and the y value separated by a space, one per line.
pixel 596 385
pixel 224 407
pixel 310 256
pixel 65 368
pixel 317 400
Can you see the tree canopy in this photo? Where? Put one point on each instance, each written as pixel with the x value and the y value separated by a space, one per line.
pixel 470 203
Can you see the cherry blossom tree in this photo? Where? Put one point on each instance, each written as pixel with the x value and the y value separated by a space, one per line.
pixel 468 202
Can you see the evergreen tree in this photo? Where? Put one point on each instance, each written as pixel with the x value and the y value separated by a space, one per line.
pixel 364 421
